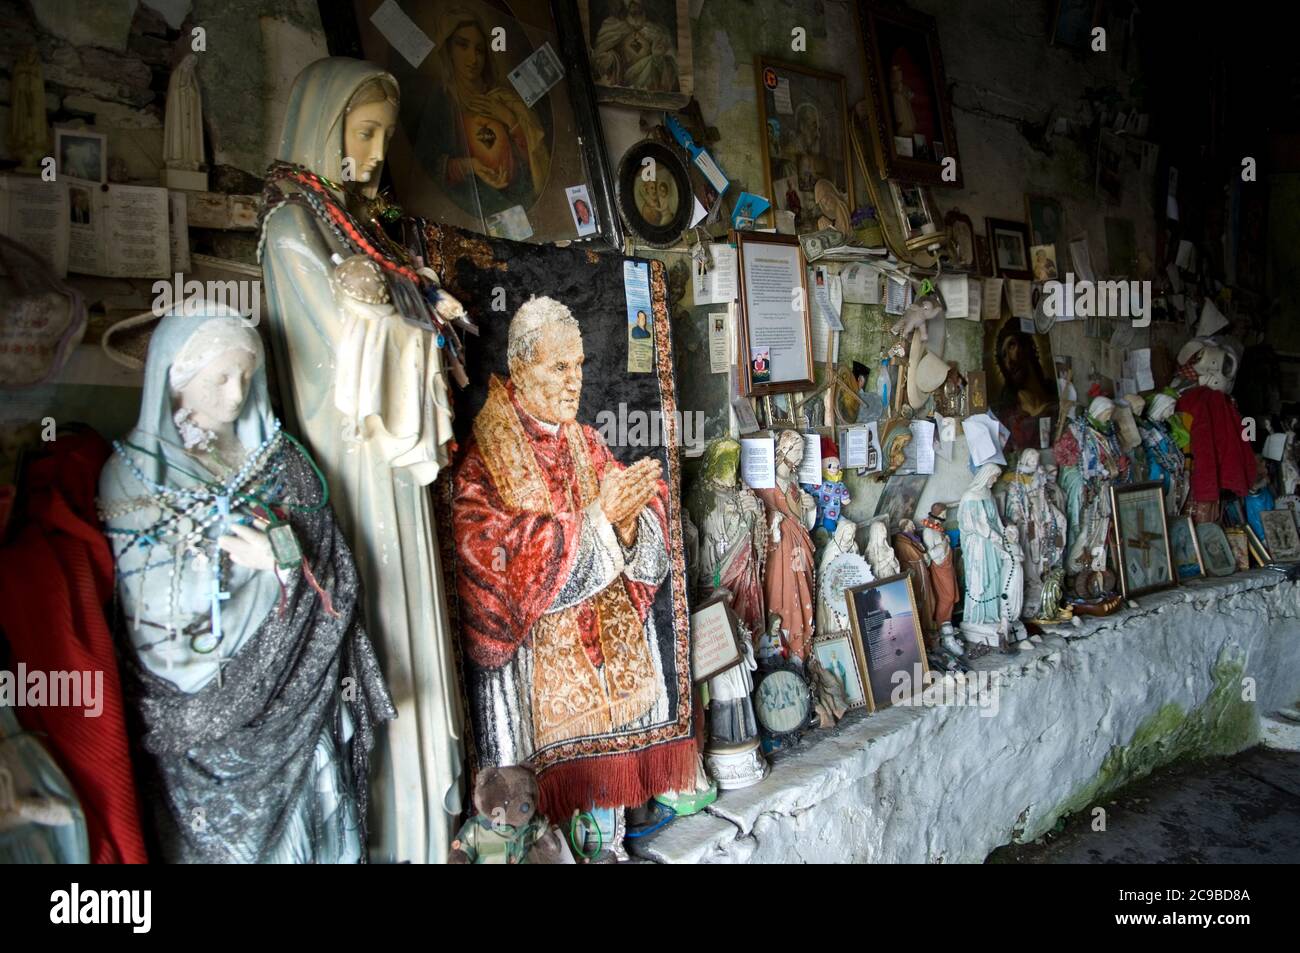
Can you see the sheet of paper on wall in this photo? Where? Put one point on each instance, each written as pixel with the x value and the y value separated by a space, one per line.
pixel 1186 258
pixel 810 467
pixel 855 444
pixel 534 77
pixel 402 33
pixel 121 232
pixel 34 213
pixel 974 299
pixel 991 305
pixel 180 231
pixel 746 421
pixel 1021 295
pixel 860 283
pixel 781 96
pixel 758 462
pixel 898 295
pixel 718 284
pixel 1212 320
pixel 1081 255
pixel 1139 360
pixel 719 342
pixel 955 293
pixel 828 294
pixel 923 440
pixel 1274 446
pixel 640 317
pixel 985 438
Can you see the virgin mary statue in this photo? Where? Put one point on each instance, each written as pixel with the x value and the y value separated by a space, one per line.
pixel 367 391
pixel 255 686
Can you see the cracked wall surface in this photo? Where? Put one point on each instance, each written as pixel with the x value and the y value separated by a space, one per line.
pixel 1190 672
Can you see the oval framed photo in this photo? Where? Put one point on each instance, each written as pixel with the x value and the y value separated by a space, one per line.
pixel 654 193
pixel 782 701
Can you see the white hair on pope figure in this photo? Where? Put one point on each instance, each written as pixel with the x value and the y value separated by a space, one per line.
pixel 526 326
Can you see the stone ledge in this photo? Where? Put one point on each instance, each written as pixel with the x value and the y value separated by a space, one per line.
pixel 1092 708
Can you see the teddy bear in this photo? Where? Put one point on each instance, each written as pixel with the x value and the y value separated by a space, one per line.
pixel 507 828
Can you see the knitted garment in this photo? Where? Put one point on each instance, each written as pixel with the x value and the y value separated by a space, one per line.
pixel 1221 459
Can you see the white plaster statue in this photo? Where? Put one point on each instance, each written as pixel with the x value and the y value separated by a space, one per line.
pixel 984 554
pixel 183 128
pixel 343 107
pixel 841 567
pixel 835 207
pixel 731 713
pixel 1013 589
pixel 881 556
pixel 29 130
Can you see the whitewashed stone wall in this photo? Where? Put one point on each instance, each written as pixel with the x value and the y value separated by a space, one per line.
pixel 1091 709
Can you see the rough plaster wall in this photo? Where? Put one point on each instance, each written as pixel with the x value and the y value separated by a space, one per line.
pixel 1074 720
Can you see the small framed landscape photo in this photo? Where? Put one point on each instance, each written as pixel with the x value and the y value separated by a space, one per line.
pixel 887 640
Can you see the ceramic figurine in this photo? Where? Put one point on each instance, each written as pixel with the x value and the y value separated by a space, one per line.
pixel 943 575
pixel 731 713
pixel 1013 589
pixel 788 573
pixel 834 207
pixel 832 495
pixel 29 129
pixel 381 455
pixel 733 533
pixel 841 567
pixel 912 556
pixel 1290 472
pixel 984 554
pixel 253 679
pixel 1090 459
pixel 829 696
pixel 1164 456
pixel 506 828
pixel 1042 527
pixel 183 129
pixel 880 554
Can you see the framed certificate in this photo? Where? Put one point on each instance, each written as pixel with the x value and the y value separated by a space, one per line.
pixel 776 332
pixel 715 641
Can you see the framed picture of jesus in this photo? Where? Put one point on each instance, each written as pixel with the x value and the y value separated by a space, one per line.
pixel 1142 538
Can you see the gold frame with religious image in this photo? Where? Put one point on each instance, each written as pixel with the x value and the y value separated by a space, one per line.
pixel 1152 492
pixel 745 242
pixel 853 670
pixel 765 69
pixel 633 95
pixel 1277 537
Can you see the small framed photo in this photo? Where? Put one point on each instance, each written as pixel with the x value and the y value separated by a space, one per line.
pixel 1009 242
pixel 1046 220
pixel 1240 547
pixel 715 641
pixel 915 214
pixel 836 655
pixel 783 704
pixel 961 239
pixel 1217 549
pixel 1142 538
pixel 1043 260
pixel 1280 534
pixel 81 154
pixel 654 193
pixel 1186 548
pixel 887 640
pixel 1258 551
pixel 775 324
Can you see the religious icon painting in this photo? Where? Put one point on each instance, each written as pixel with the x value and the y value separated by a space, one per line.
pixel 888 640
pixel 1240 547
pixel 569 600
pixel 654 193
pixel 783 705
pixel 639 51
pixel 1186 548
pixel 1217 550
pixel 1020 380
pixel 1142 538
pixel 804 134
pixel 497 115
pixel 836 655
pixel 1280 534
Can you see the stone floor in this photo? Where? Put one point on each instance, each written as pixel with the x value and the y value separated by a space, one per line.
pixel 1242 809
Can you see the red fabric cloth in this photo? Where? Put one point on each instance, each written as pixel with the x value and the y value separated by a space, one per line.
pixel 1221 459
pixel 55 578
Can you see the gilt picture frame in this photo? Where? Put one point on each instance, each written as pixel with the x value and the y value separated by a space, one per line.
pixel 640 51
pixel 1141 535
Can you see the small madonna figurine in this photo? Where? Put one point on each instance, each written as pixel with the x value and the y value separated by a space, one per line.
pixel 985 558
pixel 255 685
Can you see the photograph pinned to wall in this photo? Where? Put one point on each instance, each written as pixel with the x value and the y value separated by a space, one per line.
pixel 1046 220
pixel 81 154
pixel 837 657
pixel 804 135
pixel 1280 534
pixel 1009 242
pixel 654 193
pixel 1216 549
pixel 1142 538
pixel 1073 23
pixel 525 705
pixel 639 51
pixel 1186 548
pixel 491 135
pixel 1043 259
pixel 915 212
pixel 776 338
pixel 584 219
pixel 910 117
pixel 1020 379
pixel 961 239
pixel 888 640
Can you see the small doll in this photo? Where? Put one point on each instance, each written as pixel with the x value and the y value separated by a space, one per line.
pixel 507 828
pixel 832 495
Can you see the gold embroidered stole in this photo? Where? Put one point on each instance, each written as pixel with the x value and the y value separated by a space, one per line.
pixel 568 699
